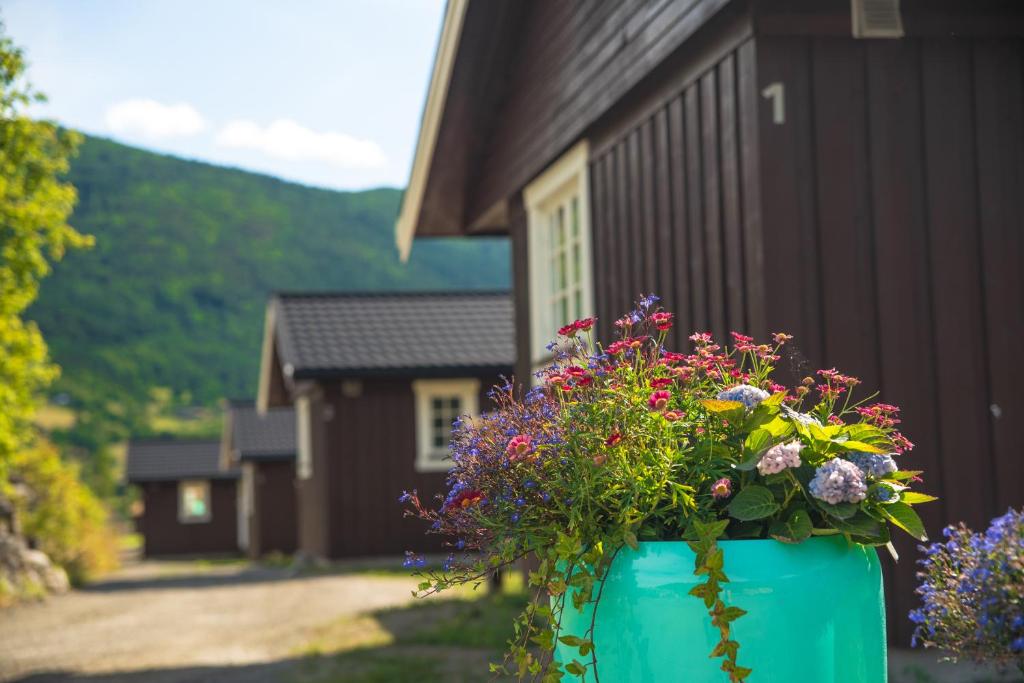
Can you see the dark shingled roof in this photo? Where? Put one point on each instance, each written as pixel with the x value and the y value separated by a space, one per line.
pixel 262 437
pixel 171 460
pixel 323 335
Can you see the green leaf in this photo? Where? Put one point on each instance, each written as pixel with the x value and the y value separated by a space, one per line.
pixel 903 516
pixel 571 641
pixel 913 497
pixel 710 530
pixel 629 538
pixel 859 525
pixel 575 668
pixel 840 510
pixel 860 446
pixel 757 442
pixel 753 502
pixel 796 528
pixel 775 399
pixel 904 475
pixel 718 407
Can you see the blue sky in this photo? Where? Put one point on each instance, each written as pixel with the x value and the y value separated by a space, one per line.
pixel 323 92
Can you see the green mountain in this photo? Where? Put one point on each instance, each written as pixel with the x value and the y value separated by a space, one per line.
pixel 186 253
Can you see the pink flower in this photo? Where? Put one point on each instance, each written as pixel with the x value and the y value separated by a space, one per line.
pixel 575 371
pixel 721 488
pixel 662 320
pixel 568 330
pixel 672 415
pixel 600 460
pixel 613 439
pixel 615 348
pixel 781 338
pixel 659 400
pixel 636 342
pixel 518 447
pixel 557 379
pixel 661 382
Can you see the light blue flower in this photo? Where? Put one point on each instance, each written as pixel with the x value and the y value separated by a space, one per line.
pixel 746 394
pixel 873 464
pixel 839 481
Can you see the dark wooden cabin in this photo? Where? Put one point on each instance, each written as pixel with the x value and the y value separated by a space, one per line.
pixel 376 381
pixel 849 171
pixel 262 447
pixel 188 499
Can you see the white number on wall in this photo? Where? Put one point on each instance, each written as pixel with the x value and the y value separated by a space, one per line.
pixel 776 92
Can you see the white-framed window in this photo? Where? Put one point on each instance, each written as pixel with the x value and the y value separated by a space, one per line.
pixel 194 501
pixel 559 245
pixel 303 438
pixel 438 403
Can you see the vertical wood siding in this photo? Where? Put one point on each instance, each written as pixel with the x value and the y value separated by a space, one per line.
pixel 881 224
pixel 273 525
pixel 671 219
pixel 370 446
pixel 891 219
pixel 163 534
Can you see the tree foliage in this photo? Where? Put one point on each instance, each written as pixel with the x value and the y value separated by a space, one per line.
pixel 34 207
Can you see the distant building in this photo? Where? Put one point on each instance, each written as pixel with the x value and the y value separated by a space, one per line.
pixel 376 381
pixel 188 500
pixel 262 447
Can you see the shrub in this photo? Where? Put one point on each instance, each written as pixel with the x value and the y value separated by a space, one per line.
pixel 62 516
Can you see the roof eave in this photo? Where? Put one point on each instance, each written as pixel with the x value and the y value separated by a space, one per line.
pixel 430 123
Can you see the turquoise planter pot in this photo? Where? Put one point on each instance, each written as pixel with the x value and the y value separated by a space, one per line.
pixel 815 614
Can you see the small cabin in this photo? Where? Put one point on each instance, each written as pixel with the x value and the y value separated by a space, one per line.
pixel 261 446
pixel 848 171
pixel 376 381
pixel 188 500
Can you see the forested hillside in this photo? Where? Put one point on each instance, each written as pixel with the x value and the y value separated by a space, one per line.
pixel 186 253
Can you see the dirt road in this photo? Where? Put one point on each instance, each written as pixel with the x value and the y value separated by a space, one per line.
pixel 181 622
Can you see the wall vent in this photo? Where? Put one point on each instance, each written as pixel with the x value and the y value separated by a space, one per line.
pixel 876 18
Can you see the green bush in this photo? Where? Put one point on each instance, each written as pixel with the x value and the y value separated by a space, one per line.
pixel 62 515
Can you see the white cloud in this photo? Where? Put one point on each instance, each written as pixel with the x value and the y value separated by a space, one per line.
pixel 286 139
pixel 152 119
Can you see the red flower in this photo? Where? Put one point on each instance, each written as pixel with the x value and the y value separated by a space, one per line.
pixel 568 330
pixel 661 382
pixel 659 400
pixel 584 381
pixel 672 415
pixel 636 342
pixel 557 379
pixel 613 439
pixel 615 348
pixel 575 371
pixel 464 499
pixel 518 447
pixel 662 320
pixel 584 325
pixel 781 338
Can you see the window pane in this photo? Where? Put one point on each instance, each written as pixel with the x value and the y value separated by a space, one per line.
pixel 454 405
pixel 562 274
pixel 437 404
pixel 579 304
pixel 575 213
pixel 564 310
pixel 560 226
pixel 576 262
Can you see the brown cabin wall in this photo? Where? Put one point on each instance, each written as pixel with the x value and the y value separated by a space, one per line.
pixel 163 534
pixel 892 203
pixel 880 223
pixel 364 462
pixel 273 526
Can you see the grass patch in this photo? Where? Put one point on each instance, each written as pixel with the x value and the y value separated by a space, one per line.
pixel 448 638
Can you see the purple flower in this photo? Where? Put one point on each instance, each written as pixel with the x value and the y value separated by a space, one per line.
pixel 746 394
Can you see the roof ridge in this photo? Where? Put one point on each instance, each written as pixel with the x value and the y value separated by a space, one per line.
pixel 173 440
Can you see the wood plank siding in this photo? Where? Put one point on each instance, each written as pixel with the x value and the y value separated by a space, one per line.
pixel 272 526
pixel 360 468
pixel 164 535
pixel 880 223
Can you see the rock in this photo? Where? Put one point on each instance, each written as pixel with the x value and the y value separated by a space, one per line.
pixel 25 572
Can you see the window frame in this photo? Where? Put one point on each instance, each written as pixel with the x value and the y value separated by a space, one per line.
pixel 424 392
pixel 183 516
pixel 566 177
pixel 303 438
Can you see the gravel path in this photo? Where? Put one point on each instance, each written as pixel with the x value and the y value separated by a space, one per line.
pixel 184 622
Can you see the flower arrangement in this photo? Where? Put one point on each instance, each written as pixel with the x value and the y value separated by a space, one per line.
pixel 972 591
pixel 632 442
